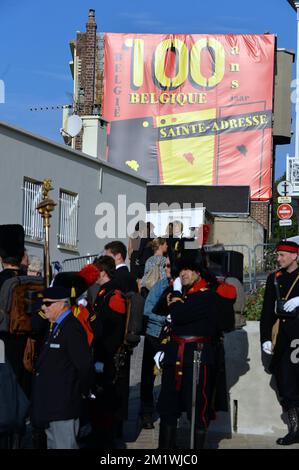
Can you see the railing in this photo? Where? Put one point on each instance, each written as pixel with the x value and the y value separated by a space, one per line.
pixel 259 261
pixel 75 264
pixel 264 261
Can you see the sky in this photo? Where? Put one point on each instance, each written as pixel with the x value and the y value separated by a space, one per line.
pixel 35 53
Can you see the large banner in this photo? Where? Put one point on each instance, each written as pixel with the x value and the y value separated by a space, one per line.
pixel 191 109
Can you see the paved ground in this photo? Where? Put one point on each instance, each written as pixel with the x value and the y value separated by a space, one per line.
pixel 137 438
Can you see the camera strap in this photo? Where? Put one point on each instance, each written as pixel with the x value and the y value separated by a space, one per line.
pixel 289 291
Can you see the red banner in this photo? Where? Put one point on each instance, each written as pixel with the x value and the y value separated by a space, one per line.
pixel 191 109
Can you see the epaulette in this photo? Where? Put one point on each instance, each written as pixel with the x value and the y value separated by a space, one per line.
pixel 101 292
pixel 41 314
pixel 226 290
pixel 117 302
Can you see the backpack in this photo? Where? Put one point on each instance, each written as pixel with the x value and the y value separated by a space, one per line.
pixel 17 297
pixel 134 321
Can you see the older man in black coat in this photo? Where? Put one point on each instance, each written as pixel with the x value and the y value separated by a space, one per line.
pixel 63 373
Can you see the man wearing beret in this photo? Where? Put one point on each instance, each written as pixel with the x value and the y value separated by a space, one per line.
pixel 280 333
pixel 63 372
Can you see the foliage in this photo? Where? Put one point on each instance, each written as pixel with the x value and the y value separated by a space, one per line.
pixel 254 304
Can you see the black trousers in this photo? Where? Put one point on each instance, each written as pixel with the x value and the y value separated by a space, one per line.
pixel 286 374
pixel 151 346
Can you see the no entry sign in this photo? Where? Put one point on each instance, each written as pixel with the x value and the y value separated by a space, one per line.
pixel 285 211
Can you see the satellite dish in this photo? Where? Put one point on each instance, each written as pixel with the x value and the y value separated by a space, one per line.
pixel 74 125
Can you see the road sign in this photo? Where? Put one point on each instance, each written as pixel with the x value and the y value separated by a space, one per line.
pixel 284 188
pixel 285 222
pixel 284 211
pixel 284 200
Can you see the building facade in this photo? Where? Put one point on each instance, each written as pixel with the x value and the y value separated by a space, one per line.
pixel 91 195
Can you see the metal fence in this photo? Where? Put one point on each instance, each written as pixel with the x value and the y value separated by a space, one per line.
pixel 73 264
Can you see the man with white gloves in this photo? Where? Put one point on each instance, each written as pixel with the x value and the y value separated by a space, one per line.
pixel 279 326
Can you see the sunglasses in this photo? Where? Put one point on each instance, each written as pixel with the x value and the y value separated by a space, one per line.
pixel 167 265
pixel 48 303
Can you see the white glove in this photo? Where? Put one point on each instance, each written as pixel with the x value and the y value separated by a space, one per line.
pixel 291 304
pixel 82 301
pixel 168 318
pixel 177 285
pixel 267 347
pixel 158 358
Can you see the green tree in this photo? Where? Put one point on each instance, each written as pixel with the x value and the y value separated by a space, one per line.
pixel 278 232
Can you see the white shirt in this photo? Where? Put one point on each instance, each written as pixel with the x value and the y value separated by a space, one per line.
pixel 120 265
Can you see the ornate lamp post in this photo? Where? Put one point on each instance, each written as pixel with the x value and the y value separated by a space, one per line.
pixel 45 207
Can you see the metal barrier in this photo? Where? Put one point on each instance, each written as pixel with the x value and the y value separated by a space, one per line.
pixel 264 261
pixel 75 264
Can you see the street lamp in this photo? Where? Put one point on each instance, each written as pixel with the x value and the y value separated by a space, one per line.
pixel 295 5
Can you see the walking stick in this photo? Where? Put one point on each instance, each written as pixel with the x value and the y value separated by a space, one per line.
pixel 195 380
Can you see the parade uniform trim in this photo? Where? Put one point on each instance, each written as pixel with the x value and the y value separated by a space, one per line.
pixel 181 341
pixel 286 247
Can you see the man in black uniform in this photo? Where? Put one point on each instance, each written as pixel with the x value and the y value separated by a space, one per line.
pixel 279 328
pixel 113 376
pixel 194 326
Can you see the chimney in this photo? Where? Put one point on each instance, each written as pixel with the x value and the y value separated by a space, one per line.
pixel 89 64
pixel 86 49
pixel 91 17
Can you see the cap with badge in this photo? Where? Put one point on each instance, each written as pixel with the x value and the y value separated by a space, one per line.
pixel 56 293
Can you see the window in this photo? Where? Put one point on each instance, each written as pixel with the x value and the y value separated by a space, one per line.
pixel 32 220
pixel 68 219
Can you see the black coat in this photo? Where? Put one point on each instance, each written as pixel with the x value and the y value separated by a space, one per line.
pixel 288 328
pixel 63 374
pixel 124 280
pixel 197 316
pixel 110 310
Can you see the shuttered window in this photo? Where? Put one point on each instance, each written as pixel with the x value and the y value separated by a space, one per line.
pixel 68 219
pixel 32 220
